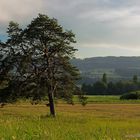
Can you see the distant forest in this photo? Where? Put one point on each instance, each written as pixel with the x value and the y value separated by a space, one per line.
pixel 103 87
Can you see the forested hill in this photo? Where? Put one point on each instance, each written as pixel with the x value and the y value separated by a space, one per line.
pixel 117 68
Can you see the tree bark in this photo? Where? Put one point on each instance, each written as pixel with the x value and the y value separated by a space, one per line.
pixel 51 103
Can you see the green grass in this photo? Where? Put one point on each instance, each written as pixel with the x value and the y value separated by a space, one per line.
pixel 107 99
pixel 104 118
pixel 93 122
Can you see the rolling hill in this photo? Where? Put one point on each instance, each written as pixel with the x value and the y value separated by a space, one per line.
pixel 116 68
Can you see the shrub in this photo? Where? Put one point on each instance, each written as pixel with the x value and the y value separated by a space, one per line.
pixel 131 96
pixel 83 100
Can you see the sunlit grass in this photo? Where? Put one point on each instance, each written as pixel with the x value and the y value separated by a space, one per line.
pixel 93 122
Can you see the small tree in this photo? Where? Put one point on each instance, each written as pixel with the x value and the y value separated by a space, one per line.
pixel 135 79
pixel 104 79
pixel 111 88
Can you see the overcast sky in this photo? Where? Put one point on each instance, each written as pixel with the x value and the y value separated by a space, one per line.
pixel 102 27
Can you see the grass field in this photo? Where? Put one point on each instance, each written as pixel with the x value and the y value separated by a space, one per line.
pixel 108 99
pixel 92 122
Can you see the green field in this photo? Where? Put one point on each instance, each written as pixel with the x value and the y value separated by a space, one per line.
pixel 73 122
pixel 107 99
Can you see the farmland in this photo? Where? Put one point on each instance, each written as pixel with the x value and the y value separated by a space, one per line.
pixel 95 121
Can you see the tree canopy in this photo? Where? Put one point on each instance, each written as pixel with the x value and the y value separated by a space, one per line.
pixel 38 57
pixel 111 88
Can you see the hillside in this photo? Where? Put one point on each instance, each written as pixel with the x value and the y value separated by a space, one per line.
pixel 117 68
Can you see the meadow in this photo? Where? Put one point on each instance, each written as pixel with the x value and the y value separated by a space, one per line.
pixel 107 99
pixel 95 121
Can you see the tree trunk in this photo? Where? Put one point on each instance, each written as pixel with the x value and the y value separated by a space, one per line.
pixel 51 103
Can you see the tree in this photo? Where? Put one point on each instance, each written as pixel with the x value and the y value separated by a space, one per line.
pixel 40 55
pixel 120 87
pixel 130 86
pixel 135 79
pixel 88 89
pixel 4 65
pixel 104 79
pixel 111 88
pixel 100 88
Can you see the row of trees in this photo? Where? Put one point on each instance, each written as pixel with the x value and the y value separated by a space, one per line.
pixel 35 62
pixel 104 87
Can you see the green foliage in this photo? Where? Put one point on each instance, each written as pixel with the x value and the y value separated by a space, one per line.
pixel 104 79
pixel 9 93
pixel 88 89
pixel 100 87
pixel 111 88
pixel 83 100
pixel 131 96
pixel 39 57
pixel 135 79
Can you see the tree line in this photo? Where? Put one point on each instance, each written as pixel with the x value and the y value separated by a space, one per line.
pixel 103 87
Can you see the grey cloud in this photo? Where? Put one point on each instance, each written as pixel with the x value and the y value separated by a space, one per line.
pixel 18 10
pixel 107 22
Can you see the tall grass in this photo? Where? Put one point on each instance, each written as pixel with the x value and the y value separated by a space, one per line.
pixel 93 122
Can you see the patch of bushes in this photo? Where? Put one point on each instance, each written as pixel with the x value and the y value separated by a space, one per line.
pixel 131 96
pixel 83 100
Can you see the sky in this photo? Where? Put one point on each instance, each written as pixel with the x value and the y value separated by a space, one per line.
pixel 102 27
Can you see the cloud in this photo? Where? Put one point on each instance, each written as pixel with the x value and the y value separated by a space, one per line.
pixel 105 24
pixel 109 45
pixel 119 16
pixel 21 11
pixel 104 49
pixel 16 9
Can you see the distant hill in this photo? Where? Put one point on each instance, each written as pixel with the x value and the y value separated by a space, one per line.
pixel 117 68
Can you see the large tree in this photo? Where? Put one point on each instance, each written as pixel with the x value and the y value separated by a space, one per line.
pixel 40 58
